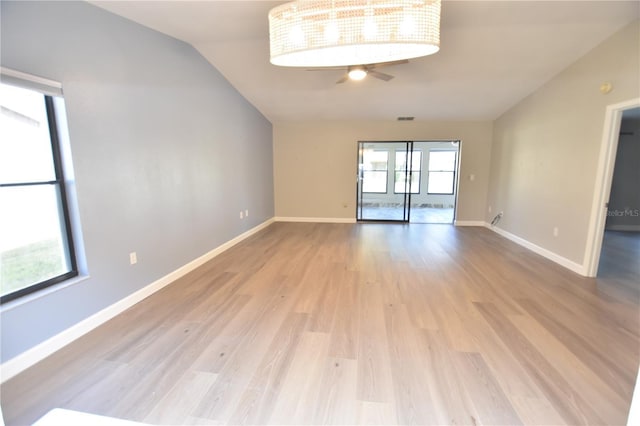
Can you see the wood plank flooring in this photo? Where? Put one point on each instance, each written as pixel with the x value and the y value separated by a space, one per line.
pixel 359 324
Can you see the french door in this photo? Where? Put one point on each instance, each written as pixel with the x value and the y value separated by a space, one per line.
pixel 385 171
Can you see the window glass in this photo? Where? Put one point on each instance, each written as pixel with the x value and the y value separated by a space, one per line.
pixel 440 183
pixel 401 181
pixel 36 247
pixel 442 166
pixel 442 161
pixel 25 143
pixel 375 168
pixel 32 239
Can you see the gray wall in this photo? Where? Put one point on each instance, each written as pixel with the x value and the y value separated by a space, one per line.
pixel 315 163
pixel 166 154
pixel 624 201
pixel 545 149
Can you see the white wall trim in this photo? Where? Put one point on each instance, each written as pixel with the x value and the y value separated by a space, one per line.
pixel 562 261
pixel 30 357
pixel 602 190
pixel 315 219
pixel 469 223
pixel 30 81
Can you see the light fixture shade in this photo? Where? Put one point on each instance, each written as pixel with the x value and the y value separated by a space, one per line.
pixel 316 33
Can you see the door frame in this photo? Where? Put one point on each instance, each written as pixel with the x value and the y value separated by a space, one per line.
pixel 410 148
pixel 604 177
pixel 456 172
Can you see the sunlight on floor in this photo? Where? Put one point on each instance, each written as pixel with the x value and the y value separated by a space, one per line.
pixel 417 214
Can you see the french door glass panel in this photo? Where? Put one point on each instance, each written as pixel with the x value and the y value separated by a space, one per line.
pixel 402 174
pixel 384 181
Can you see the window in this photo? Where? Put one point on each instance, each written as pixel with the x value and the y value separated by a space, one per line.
pixel 374 173
pixel 401 182
pixel 36 246
pixel 442 167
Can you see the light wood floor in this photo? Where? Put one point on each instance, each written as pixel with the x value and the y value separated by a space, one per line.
pixel 345 324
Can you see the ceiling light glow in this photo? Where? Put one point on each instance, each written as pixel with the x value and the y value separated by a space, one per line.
pixel 357 73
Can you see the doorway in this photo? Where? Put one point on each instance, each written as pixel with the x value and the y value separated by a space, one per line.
pixel 407 181
pixel 621 242
pixel 600 209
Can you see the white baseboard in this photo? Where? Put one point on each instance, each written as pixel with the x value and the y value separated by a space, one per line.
pixel 628 228
pixel 469 223
pixel 562 261
pixel 315 219
pixel 634 410
pixel 30 357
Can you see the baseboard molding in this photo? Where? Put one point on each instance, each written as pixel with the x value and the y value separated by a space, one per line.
pixel 39 352
pixel 315 219
pixel 627 228
pixel 469 223
pixel 562 261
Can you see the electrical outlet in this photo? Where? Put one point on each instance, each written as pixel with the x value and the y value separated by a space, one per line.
pixel 133 258
pixel 490 209
pixel 555 231
pixel 241 214
pixel 246 213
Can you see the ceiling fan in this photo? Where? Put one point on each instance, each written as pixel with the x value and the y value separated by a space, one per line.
pixel 359 72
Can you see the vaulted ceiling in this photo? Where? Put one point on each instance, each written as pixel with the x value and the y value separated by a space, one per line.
pixel 493 54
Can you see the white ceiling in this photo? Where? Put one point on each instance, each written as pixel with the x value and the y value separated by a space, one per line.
pixel 493 54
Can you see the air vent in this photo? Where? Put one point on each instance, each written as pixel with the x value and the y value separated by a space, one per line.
pixel 405 118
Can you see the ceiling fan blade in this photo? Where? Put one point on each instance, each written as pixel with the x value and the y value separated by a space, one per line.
pixel 343 79
pixel 380 75
pixel 387 64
